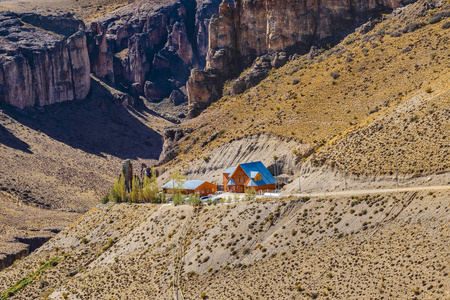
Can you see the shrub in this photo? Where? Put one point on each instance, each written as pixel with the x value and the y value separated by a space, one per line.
pixel 178 199
pixel 250 194
pixel 203 295
pixel 411 27
pixel 109 244
pixel 429 90
pixel 438 17
pixel 105 199
pixel 396 34
pixel 113 196
pixel 446 25
pixel 194 199
pixel 84 240
pixel 406 49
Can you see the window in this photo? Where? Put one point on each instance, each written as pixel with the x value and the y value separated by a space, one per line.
pixel 203 191
pixel 212 191
pixel 207 190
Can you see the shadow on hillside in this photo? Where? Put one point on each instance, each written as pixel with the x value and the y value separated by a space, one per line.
pixel 10 140
pixel 84 125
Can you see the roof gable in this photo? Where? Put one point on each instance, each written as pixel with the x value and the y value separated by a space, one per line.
pixel 231 182
pixel 258 167
pixel 253 174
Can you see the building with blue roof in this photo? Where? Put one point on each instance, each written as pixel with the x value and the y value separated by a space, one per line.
pixel 249 175
pixel 203 188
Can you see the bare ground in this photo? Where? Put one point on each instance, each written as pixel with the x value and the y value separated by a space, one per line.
pixel 390 246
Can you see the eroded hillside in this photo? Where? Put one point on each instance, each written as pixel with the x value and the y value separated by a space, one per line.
pixel 376 74
pixel 387 245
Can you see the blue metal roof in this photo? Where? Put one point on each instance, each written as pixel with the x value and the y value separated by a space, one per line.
pixel 231 182
pixel 188 185
pixel 230 170
pixel 193 184
pixel 266 177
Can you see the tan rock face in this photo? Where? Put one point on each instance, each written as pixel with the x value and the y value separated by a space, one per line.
pixel 204 87
pixel 38 67
pixel 251 28
pixel 269 25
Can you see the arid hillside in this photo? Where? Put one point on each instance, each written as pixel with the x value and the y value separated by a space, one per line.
pixel 392 73
pixel 82 9
pixel 58 162
pixel 388 245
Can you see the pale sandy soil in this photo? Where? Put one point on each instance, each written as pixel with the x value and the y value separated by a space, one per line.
pixel 387 246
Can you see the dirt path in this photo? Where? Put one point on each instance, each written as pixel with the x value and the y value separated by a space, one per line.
pixel 375 191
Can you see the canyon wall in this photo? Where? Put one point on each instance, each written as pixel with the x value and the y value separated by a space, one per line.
pixel 247 29
pixel 43 60
pixel 149 48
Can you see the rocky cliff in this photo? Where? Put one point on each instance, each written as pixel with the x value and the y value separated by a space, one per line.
pixel 149 48
pixel 43 60
pixel 245 30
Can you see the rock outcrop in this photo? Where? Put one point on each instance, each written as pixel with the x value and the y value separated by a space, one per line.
pixel 149 48
pixel 43 60
pixel 172 136
pixel 259 70
pixel 246 29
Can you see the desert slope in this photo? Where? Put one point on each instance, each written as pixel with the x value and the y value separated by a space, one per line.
pixel 387 245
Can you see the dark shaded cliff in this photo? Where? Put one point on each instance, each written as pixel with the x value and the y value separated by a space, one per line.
pixel 149 48
pixel 245 30
pixel 42 65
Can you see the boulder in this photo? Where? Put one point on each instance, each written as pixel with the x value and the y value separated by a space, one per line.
pixel 177 97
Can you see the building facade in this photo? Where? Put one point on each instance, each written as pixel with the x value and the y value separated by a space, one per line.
pixel 202 188
pixel 249 175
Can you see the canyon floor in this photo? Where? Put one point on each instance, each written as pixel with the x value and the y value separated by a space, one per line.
pixel 58 162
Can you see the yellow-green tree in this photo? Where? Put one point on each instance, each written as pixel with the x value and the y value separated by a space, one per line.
pixel 150 189
pixel 135 188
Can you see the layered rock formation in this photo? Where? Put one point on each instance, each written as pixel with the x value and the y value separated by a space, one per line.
pixel 149 48
pixel 247 29
pixel 43 60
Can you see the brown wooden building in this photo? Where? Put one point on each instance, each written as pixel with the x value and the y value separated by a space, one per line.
pixel 202 188
pixel 249 175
